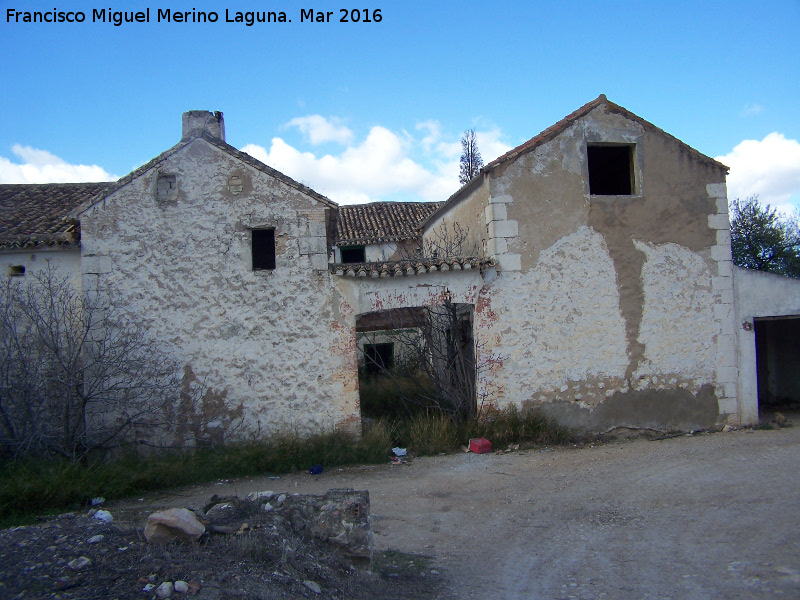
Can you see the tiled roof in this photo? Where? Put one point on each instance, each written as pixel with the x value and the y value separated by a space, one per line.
pixel 381 221
pixel 403 268
pixel 552 131
pixel 36 215
pixel 225 147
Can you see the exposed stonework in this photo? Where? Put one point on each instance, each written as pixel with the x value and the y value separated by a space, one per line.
pixel 606 309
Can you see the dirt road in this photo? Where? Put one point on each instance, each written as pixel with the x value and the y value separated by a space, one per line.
pixel 700 517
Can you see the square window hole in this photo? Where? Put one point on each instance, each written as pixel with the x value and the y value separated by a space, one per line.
pixel 263 246
pixel 611 170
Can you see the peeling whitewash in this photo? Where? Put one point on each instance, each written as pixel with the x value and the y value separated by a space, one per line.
pixel 605 310
pixel 267 342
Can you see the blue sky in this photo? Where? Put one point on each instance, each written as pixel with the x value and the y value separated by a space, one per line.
pixel 374 111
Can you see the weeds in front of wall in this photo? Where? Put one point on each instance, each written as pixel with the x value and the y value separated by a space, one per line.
pixel 32 487
pixel 433 433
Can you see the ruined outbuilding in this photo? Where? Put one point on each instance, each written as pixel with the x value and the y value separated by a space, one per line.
pixel 597 277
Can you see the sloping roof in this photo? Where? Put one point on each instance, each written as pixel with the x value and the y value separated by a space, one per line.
pixel 36 215
pixel 554 130
pixel 225 147
pixel 381 222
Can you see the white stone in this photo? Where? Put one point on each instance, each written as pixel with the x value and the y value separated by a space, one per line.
pixel 722 206
pixel 721 252
pixel 104 516
pixel 181 587
pixel 717 190
pixel 495 212
pixel 725 268
pixel 505 199
pixel 719 222
pixel 165 590
pixel 509 262
pixel 79 563
pixel 496 246
pixel 505 229
pixel 174 523
pixel 728 406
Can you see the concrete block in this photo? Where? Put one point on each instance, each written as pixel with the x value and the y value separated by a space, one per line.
pixel 90 264
pixel 726 296
pixel 727 355
pixel 496 246
pixel 730 390
pixel 717 190
pixel 496 212
pixel 509 262
pixel 504 229
pixel 311 245
pixel 727 374
pixel 722 283
pixel 722 206
pixel 728 406
pixel 316 229
pixel 319 262
pixel 725 268
pixel 723 312
pixel 719 222
pixel 724 237
pixel 721 252
pixel 104 264
pixel 501 200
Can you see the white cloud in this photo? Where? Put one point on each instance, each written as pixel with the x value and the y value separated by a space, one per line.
pixel 319 130
pixel 751 110
pixel 384 165
pixel 769 168
pixel 40 166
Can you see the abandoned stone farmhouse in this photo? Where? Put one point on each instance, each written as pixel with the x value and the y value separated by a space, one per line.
pixel 595 277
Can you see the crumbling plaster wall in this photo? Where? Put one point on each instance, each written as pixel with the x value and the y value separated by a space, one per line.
pixel 270 345
pixel 468 215
pixel 369 295
pixel 613 310
pixel 66 261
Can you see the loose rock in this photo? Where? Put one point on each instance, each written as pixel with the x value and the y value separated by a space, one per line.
pixel 95 539
pixel 79 563
pixel 313 586
pixel 181 587
pixel 175 523
pixel 165 590
pixel 104 516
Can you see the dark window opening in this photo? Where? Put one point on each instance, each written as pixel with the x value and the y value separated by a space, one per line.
pixel 16 270
pixel 378 357
pixel 610 170
pixel 263 249
pixel 353 254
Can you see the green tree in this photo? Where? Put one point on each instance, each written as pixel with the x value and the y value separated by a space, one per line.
pixel 763 239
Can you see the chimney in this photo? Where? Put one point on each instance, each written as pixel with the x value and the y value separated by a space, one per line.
pixel 197 121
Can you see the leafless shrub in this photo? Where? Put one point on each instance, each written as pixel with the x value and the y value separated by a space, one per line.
pixel 442 372
pixel 75 374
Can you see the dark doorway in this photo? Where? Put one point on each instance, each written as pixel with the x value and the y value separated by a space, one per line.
pixel 778 364
pixel 378 357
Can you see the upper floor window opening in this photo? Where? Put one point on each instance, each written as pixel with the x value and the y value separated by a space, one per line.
pixel 611 171
pixel 263 248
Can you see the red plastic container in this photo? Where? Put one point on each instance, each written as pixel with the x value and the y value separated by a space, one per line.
pixel 480 445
